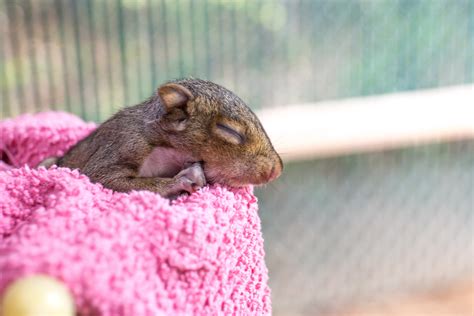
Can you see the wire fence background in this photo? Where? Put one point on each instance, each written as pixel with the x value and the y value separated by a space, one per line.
pixel 92 57
pixel 337 230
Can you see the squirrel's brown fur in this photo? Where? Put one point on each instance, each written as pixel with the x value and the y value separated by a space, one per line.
pixel 189 132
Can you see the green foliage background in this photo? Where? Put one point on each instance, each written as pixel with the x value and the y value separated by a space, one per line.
pixel 92 57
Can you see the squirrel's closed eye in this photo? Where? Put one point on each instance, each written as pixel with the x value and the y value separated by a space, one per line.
pixel 229 134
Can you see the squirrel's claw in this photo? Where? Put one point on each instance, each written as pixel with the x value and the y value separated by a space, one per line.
pixel 191 179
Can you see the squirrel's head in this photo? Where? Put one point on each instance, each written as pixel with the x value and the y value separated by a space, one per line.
pixel 219 130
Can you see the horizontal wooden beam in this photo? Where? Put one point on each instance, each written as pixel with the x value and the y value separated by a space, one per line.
pixel 331 128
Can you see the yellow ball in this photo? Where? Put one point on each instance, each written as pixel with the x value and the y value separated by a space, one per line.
pixel 37 295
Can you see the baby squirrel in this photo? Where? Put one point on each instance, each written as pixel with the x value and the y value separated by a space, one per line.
pixel 189 133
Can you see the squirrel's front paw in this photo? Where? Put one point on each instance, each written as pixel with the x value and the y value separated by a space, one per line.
pixel 191 179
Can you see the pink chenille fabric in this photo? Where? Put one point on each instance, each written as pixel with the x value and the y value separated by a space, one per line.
pixel 118 253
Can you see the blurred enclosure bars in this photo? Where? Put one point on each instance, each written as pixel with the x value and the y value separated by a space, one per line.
pixel 339 231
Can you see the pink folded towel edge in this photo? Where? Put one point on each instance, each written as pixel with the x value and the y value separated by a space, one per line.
pixel 125 254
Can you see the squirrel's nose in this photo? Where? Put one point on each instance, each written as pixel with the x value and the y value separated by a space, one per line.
pixel 275 171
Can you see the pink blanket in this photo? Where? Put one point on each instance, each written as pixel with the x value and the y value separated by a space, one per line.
pixel 124 254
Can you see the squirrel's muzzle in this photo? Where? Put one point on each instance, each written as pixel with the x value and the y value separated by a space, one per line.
pixel 275 172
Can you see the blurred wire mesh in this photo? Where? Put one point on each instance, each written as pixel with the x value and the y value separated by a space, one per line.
pixel 363 227
pixel 337 230
pixel 92 57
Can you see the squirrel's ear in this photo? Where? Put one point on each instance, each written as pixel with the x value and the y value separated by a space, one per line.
pixel 174 95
